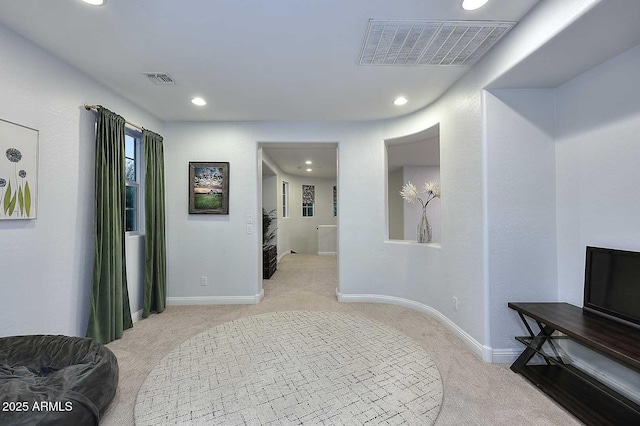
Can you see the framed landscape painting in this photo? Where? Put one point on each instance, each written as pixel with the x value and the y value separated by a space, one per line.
pixel 18 171
pixel 208 188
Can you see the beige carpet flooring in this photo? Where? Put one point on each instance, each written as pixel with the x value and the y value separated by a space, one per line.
pixel 292 368
pixel 475 393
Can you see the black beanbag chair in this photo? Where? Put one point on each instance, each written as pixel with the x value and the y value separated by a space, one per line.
pixel 55 380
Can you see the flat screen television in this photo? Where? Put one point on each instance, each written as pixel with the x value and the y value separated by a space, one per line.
pixel 612 284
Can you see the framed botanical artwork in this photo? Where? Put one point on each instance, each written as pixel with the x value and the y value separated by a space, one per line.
pixel 18 171
pixel 208 188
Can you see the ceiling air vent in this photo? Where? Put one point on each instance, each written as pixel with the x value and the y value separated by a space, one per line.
pixel 430 43
pixel 160 78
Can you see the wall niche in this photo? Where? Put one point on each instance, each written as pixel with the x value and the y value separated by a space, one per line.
pixel 413 158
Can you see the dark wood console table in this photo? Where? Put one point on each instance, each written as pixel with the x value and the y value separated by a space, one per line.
pixel 575 389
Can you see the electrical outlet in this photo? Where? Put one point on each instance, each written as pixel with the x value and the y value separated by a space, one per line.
pixel 203 281
pixel 249 229
pixel 455 303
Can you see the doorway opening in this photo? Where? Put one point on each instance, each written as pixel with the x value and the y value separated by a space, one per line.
pixel 299 201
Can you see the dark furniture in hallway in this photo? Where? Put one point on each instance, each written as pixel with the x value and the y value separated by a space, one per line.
pixel 269 261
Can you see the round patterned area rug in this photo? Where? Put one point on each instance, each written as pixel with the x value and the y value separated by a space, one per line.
pixel 293 368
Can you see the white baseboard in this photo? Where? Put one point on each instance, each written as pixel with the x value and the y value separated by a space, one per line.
pixel 505 356
pixel 216 300
pixel 136 316
pixel 327 253
pixel 283 255
pixel 483 352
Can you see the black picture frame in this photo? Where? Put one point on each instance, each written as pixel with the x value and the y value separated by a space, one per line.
pixel 208 187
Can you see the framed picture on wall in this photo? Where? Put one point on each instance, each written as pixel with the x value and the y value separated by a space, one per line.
pixel 18 171
pixel 208 188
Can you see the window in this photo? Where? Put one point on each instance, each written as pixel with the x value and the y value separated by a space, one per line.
pixel 335 201
pixel 307 209
pixel 285 199
pixel 132 174
pixel 308 200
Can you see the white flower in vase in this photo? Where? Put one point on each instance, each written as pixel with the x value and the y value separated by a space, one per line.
pixel 410 194
pixel 432 189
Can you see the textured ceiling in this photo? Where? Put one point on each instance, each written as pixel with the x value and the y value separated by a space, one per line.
pixel 251 60
pixel 291 158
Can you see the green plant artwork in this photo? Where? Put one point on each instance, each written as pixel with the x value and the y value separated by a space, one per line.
pixel 18 171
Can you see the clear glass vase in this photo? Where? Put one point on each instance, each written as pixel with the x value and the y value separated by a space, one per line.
pixel 424 229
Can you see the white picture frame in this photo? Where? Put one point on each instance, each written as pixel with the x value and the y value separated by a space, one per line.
pixel 18 172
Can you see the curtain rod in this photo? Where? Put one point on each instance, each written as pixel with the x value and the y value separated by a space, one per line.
pixel 95 107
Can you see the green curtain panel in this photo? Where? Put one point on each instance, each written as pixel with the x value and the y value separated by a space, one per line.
pixel 155 264
pixel 110 312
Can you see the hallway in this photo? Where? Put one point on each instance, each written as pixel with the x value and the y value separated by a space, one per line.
pixel 304 278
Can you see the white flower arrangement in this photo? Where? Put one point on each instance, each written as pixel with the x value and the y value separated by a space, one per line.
pixel 430 190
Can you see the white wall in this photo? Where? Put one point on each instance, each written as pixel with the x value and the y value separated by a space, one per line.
pixel 283 239
pixel 47 263
pixel 303 231
pixel 327 240
pixel 213 246
pixel 561 165
pixel 598 173
pixel 269 201
pixel 597 157
pixel 395 205
pixel 418 175
pixel 521 206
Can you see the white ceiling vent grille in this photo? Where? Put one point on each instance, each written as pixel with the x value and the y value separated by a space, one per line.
pixel 415 43
pixel 160 78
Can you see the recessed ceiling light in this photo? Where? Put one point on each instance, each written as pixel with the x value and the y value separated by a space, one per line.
pixel 473 4
pixel 309 170
pixel 198 101
pixel 400 100
pixel 94 2
pixel 308 162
